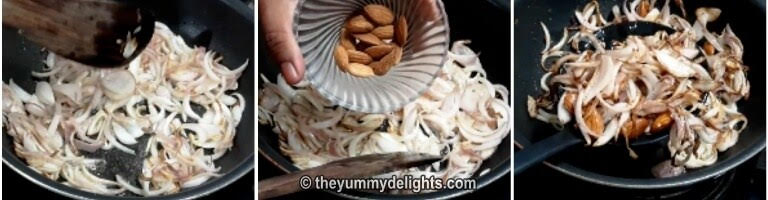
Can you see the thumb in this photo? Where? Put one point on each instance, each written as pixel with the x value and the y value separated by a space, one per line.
pixel 276 17
pixel 428 9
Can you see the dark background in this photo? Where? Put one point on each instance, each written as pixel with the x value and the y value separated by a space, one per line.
pixel 486 24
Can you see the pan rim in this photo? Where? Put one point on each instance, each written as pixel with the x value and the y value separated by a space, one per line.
pixel 19 167
pixel 678 181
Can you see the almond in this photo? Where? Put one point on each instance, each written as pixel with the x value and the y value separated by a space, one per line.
pixel 594 121
pixel 390 60
pixel 360 70
pixel 384 32
pixel 359 24
pixel 369 38
pixel 708 48
pixel 639 126
pixel 643 8
pixel 570 98
pixel 346 40
pixel 341 57
pixel 379 14
pixel 356 56
pixel 401 31
pixel 398 54
pixel 634 127
pixel 378 51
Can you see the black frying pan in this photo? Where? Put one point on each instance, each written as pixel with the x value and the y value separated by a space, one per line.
pixel 485 23
pixel 610 165
pixel 225 26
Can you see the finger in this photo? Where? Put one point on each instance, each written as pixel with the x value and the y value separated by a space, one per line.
pixel 289 73
pixel 276 19
pixel 285 50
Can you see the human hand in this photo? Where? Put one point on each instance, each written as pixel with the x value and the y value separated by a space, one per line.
pixel 429 10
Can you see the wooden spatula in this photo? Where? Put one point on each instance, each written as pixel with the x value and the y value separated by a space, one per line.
pixel 355 167
pixel 92 32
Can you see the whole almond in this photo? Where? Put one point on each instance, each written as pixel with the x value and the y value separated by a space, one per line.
pixel 401 31
pixel 342 59
pixel 359 24
pixel 360 70
pixel 643 8
pixel 379 14
pixel 384 32
pixel 380 68
pixel 346 39
pixel 356 56
pixel 662 122
pixel 369 38
pixel 639 126
pixel 634 127
pixel 708 48
pixel 390 60
pixel 378 51
pixel 397 54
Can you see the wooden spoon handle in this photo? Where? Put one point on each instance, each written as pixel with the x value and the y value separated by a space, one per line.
pixel 49 23
pixel 356 167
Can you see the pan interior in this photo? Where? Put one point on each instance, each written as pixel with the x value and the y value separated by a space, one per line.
pixel 224 27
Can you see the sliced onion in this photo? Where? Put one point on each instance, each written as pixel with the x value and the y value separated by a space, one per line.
pixel 44 93
pixel 118 84
pixel 604 76
pixel 673 65
pixel 123 135
pixel 125 184
pixel 196 180
pixel 19 92
pixel 562 113
pixel 89 147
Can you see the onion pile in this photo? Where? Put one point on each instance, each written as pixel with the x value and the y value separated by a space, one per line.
pixel 80 109
pixel 462 117
pixel 687 82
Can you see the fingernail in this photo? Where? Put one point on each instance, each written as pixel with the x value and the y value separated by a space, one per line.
pixel 289 72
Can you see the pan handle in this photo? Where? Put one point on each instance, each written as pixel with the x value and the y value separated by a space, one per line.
pixel 541 150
